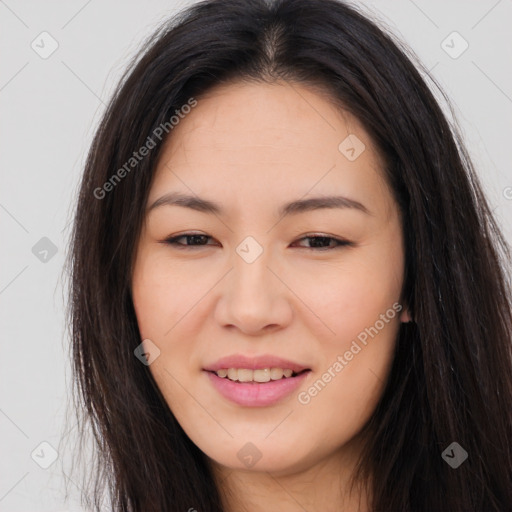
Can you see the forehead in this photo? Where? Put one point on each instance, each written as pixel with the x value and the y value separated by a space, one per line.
pixel 255 142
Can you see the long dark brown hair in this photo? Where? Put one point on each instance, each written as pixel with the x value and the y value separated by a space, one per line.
pixel 451 378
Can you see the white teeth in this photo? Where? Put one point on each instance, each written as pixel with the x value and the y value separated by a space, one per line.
pixel 276 373
pixel 260 375
pixel 245 375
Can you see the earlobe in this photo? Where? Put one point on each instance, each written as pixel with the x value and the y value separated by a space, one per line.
pixel 406 317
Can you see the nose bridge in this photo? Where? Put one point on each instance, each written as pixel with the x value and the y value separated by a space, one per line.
pixel 253 298
pixel 250 272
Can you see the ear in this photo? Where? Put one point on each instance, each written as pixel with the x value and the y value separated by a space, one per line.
pixel 405 316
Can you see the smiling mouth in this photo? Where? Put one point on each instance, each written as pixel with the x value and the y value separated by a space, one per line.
pixel 258 376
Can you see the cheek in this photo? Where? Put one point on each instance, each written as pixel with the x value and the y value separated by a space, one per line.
pixel 341 398
pixel 162 294
pixel 351 296
pixel 360 303
pixel 160 298
pixel 340 403
pixel 169 310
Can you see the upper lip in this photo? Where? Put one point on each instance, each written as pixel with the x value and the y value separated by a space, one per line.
pixel 254 363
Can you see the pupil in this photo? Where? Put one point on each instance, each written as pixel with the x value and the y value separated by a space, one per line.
pixel 195 238
pixel 317 241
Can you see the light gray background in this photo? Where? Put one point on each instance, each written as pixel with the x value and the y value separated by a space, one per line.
pixel 49 109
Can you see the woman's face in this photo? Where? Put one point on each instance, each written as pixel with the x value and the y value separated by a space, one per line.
pixel 268 284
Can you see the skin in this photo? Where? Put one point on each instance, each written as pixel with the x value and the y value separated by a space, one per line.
pixel 252 148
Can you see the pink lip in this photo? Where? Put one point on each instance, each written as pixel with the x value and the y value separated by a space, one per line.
pixel 256 394
pixel 254 363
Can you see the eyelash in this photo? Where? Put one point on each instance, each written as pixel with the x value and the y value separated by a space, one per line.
pixel 340 243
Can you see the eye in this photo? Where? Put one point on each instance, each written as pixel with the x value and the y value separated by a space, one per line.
pixel 318 242
pixel 323 242
pixel 195 239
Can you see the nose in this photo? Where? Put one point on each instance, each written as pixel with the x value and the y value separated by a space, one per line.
pixel 254 298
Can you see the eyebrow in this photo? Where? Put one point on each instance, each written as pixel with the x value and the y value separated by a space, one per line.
pixel 293 207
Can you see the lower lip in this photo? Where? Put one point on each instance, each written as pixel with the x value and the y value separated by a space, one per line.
pixel 256 394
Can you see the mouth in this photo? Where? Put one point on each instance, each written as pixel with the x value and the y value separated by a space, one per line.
pixel 262 387
pixel 256 381
pixel 257 376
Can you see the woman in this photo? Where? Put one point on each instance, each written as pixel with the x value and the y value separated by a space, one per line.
pixel 288 289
